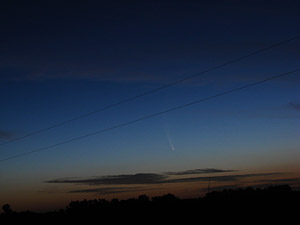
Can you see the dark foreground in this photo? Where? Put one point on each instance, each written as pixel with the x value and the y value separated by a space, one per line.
pixel 244 206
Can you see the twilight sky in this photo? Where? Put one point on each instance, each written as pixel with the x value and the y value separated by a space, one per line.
pixel 63 59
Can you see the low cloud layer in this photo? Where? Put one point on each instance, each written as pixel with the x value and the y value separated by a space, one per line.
pixel 140 178
pixel 156 178
pixel 289 181
pixel 220 178
pixel 142 182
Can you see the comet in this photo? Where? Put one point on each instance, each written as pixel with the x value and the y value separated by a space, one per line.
pixel 169 138
pixel 170 142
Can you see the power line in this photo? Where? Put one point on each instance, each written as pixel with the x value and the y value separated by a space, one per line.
pixel 153 115
pixel 151 91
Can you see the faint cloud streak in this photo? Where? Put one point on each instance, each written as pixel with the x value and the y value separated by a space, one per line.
pixel 294 106
pixel 199 171
pixel 6 135
pixel 110 190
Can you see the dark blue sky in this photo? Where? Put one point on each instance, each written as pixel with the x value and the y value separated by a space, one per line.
pixel 62 59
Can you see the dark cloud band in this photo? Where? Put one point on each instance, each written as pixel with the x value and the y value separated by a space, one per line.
pixel 154 178
pixel 199 171
pixel 111 190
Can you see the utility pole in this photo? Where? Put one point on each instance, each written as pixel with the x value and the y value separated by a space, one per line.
pixel 208 187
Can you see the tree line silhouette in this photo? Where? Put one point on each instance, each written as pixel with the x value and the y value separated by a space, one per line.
pixel 272 203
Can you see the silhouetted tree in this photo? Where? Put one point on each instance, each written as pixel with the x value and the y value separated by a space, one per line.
pixel 278 200
pixel 143 198
pixel 6 209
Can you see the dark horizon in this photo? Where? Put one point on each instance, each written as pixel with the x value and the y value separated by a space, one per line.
pixel 211 195
pixel 274 203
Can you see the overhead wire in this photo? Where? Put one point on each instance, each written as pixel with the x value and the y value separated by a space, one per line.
pixel 150 91
pixel 154 115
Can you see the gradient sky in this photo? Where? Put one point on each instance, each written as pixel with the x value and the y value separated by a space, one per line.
pixel 60 60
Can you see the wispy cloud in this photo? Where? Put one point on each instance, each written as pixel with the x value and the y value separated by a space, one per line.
pixel 294 106
pixel 199 171
pixel 290 181
pixel 294 183
pixel 140 178
pixel 226 178
pixel 5 134
pixel 111 190
pixel 97 74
